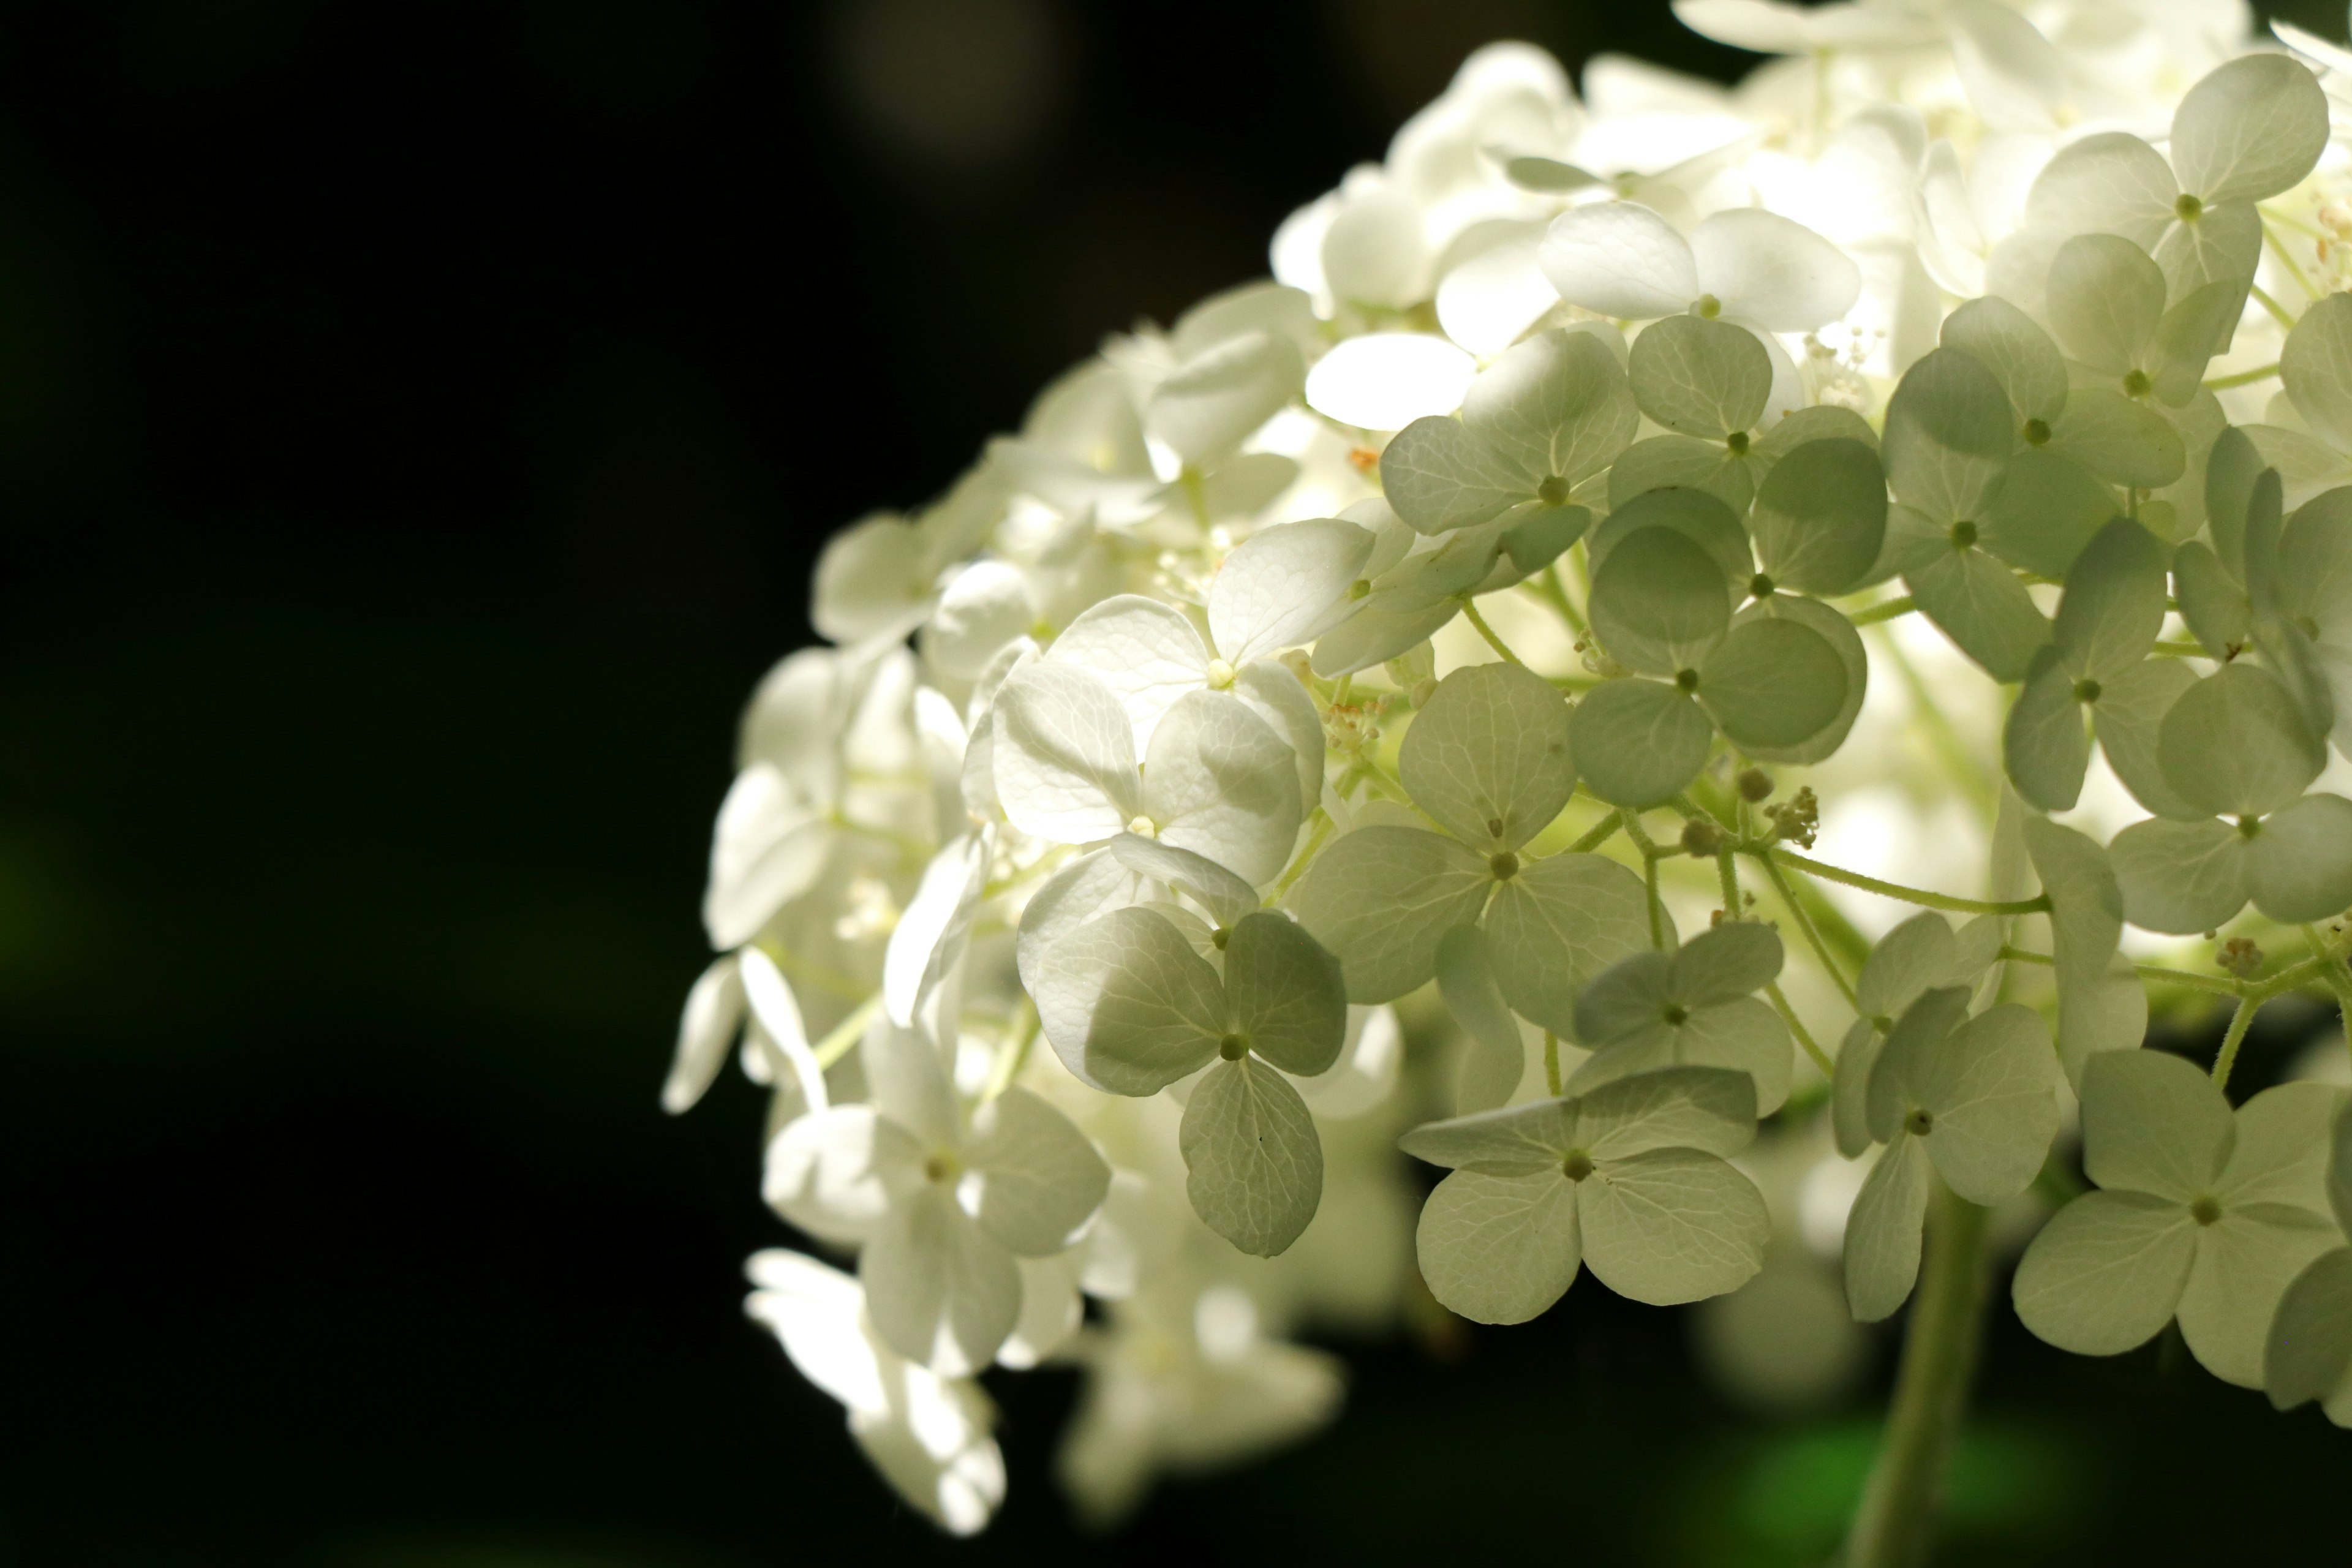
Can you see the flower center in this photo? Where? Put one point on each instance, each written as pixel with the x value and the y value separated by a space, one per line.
pixel 1759 587
pixel 1963 535
pixel 2205 1211
pixel 1736 443
pixel 1706 307
pixel 1553 491
pixel 1233 1048
pixel 1686 680
pixel 2036 432
pixel 1221 674
pixel 2136 384
pixel 1675 1013
pixel 1920 1124
pixel 1576 1164
pixel 2086 691
pixel 1144 827
pixel 2249 826
pixel 1360 588
pixel 2188 208
pixel 942 1168
pixel 1504 864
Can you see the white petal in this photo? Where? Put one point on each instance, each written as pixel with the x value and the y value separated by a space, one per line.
pixel 769 844
pixel 783 1042
pixel 2245 1261
pixel 1771 272
pixel 1035 1180
pixel 1500 1249
pixel 1218 781
pixel 814 1311
pixel 2250 129
pixel 1216 399
pixel 1621 260
pixel 1284 585
pixel 714 1011
pixel 2106 1273
pixel 825 1172
pixel 931 931
pixel 1488 301
pixel 1672 1225
pixel 1126 1004
pixel 986 606
pixel 942 1292
pixel 1063 755
pixel 1148 653
pixel 1882 1234
pixel 1254 1165
pixel 1385 381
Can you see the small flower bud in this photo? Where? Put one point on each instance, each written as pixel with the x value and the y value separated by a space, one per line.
pixel 1755 785
pixel 1701 838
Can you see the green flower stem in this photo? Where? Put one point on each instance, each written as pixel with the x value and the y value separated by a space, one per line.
pixel 2277 312
pixel 2243 378
pixel 1552 1064
pixel 1796 909
pixel 1650 855
pixel 1959 762
pixel 846 1034
pixel 2286 260
pixel 1547 586
pixel 2216 984
pixel 1322 830
pixel 2180 649
pixel 1885 611
pixel 2339 980
pixel 1601 833
pixel 1015 1054
pixel 1894 1524
pixel 2238 1020
pixel 1498 644
pixel 1920 895
pixel 1727 873
pixel 1797 1027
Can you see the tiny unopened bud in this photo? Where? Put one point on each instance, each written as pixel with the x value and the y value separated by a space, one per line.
pixel 2240 957
pixel 1701 838
pixel 1754 785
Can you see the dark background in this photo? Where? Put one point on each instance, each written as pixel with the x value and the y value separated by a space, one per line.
pixel 417 422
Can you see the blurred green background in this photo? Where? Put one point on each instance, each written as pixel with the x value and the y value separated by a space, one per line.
pixel 417 422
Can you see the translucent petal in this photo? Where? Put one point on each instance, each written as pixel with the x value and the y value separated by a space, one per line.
pixel 1365 1076
pixel 1218 781
pixel 1385 381
pixel 2281 1153
pixel 1921 1031
pixel 2152 1122
pixel 1639 742
pixel 1700 377
pixel 1215 399
pixel 2106 1274
pixel 1072 897
pixel 770 844
pixel 1515 1141
pixel 1146 652
pixel 1771 683
pixel 2215 607
pixel 1659 604
pixel 2299 868
pixel 1286 995
pixel 1485 303
pixel 868 581
pixel 1558 923
pixel 2016 78
pixel 2112 183
pixel 1254 1165
pixel 1704 520
pixel 824 1172
pixel 1948 437
pixel 1850 1089
pixel 2245 1261
pixel 1035 1178
pixel 1440 474
pixel 2085 925
pixel 2044 746
pixel 1371 252
pixel 1909 961
pixel 1712 1110
pixel 1064 755
pixel 2130 715
pixel 1772 272
pixel 908 1084
pixel 2180 876
pixel 1844 642
pixel 2195 329
pixel 1541 536
pixel 1628 998
pixel 1281 586
pixel 941 1291
pixel 1677 464
pixel 2121 441
pixel 2309 1354
pixel 1821 517
pixel 2316 367
pixel 1500 1249
pixel 815 1312
pixel 1126 1004
pixel 986 606
pixel 1726 963
pixel 1991 1088
pixel 1382 898
pixel 1672 1225
pixel 1985 610
pixel 714 1011
pixel 1620 260
pixel 1052 1311
pixel 2114 605
pixel 1882 1233
pixel 2106 296
pixel 1271 689
pixel 1494 1061
pixel 2047 513
pixel 930 933
pixel 1743 1035
pixel 2250 129
pixel 1556 407
pixel 1488 756
pixel 1385 626
pixel 2234 744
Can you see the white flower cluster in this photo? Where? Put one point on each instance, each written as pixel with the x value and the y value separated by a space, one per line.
pixel 1610 497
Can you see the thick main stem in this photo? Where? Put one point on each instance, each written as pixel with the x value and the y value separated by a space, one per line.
pixel 1895 1522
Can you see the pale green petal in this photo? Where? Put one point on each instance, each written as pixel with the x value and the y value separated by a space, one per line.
pixel 2249 129
pixel 2299 867
pixel 1822 422
pixel 2152 1122
pixel 1382 898
pixel 2086 918
pixel 2106 296
pixel 1494 1061
pixel 1681 465
pixel 2245 1261
pixel 2106 1274
pixel 1488 756
pixel 2045 745
pixel 2023 358
pixel 1541 536
pixel 1064 755
pixel 2233 467
pixel 1992 1088
pixel 1500 1249
pixel 1698 516
pixel 1708 1109
pixel 1882 1233
pixel 1659 603
pixel 1744 1036
pixel 1909 960
pixel 1515 1141
pixel 1556 406
pixel 1628 997
pixel 1772 683
pixel 2129 717
pixel 2046 513
pixel 2309 1354
pixel 1254 1165
pixel 1036 1177
pixel 2214 605
pixel 831 1172
pixel 2234 744
pixel 2112 183
pixel 1126 1004
pixel 1286 995
pixel 1948 437
pixel 1906 1058
pixel 1821 517
pixel 1556 925
pixel 1384 625
pixel 1700 377
pixel 2283 1141
pixel 1638 742
pixel 1226 896
pixel 2121 441
pixel 2180 876
pixel 2199 325
pixel 939 1290
pixel 1220 782
pixel 1772 272
pixel 1672 1225
pixel 1438 475
pixel 1216 398
pixel 2114 605
pixel 2316 368
pixel 1845 642
pixel 1724 964
pixel 1850 1088
pixel 1983 608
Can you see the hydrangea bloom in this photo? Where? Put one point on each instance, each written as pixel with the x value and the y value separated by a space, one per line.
pixel 1522 661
